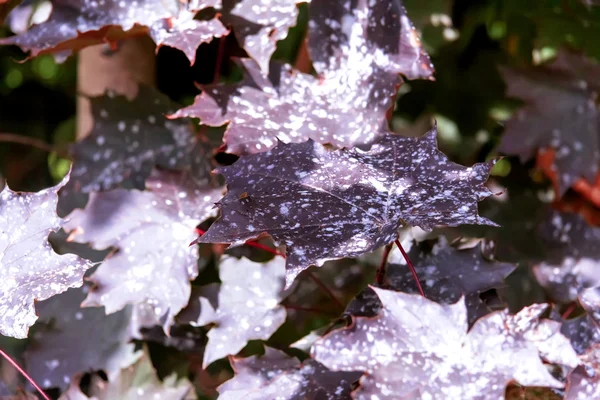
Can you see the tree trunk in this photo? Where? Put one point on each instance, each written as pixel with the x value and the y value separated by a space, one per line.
pixel 101 68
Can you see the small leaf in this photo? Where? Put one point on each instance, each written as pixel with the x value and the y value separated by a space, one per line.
pixel 248 306
pixel 260 24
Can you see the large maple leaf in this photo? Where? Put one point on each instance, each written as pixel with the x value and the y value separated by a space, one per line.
pixel 331 204
pixel 358 49
pixel 560 112
pixel 74 24
pixel 247 306
pixel 152 274
pixel 70 340
pixel 127 140
pixel 447 273
pixel 277 375
pixel 29 269
pixel 422 349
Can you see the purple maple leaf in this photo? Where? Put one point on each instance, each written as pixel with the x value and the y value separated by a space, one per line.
pixel 152 230
pixel 259 24
pixel 422 349
pixel 572 259
pixel 326 204
pixel 584 382
pixel 30 270
pixel 277 375
pixel 358 51
pixel 71 340
pixel 128 139
pixel 446 272
pixel 247 307
pixel 169 23
pixel 560 112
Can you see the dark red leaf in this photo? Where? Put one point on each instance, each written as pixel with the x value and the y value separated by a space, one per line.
pixel 560 112
pixel 446 273
pixel 331 204
pixel 72 340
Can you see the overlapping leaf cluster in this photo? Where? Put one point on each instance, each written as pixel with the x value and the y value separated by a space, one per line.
pixel 325 182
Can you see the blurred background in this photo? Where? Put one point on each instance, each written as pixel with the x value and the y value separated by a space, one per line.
pixel 467 40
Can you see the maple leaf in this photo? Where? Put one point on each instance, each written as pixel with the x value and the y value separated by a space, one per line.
pixel 325 204
pixel 582 331
pixel 584 382
pixel 447 274
pixel 74 24
pixel 572 260
pixel 560 112
pixel 422 349
pixel 260 24
pixel 247 307
pixel 70 340
pixel 277 375
pixel 129 138
pixel 29 269
pixel 186 33
pixel 367 47
pixel 135 381
pixel 152 274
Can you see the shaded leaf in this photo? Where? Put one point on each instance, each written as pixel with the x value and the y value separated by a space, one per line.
pixel 72 340
pixel 29 269
pixel 560 112
pixel 446 273
pixel 325 204
pixel 152 230
pixel 422 348
pixel 136 381
pixel 584 382
pixel 572 262
pixel 276 375
pixel 358 51
pixel 582 331
pixel 247 308
pixel 128 139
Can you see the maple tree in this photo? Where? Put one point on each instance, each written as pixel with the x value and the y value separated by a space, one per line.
pixel 330 217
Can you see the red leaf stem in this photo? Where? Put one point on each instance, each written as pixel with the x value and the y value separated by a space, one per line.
pixel 22 372
pixel 411 267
